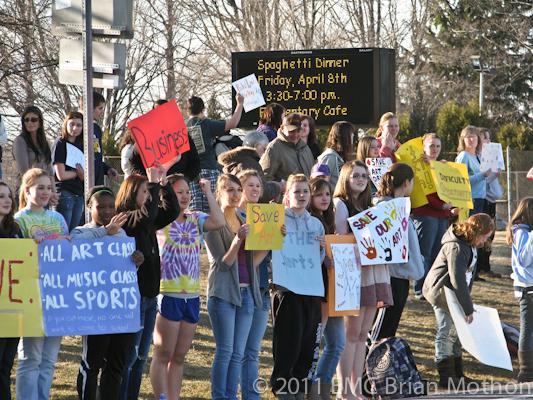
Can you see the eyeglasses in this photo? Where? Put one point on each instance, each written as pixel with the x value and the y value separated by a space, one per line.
pixel 358 176
pixel 31 119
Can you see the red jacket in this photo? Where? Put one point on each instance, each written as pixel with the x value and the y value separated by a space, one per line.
pixel 433 208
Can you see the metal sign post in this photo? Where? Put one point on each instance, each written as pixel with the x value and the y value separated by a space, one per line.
pixel 88 148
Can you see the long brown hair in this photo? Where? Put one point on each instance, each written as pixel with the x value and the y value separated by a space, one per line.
pixel 126 199
pixel 311 139
pixel 64 132
pixel 394 178
pixel 28 180
pixel 43 147
pixel 363 147
pixel 468 130
pixel 340 139
pixel 522 215
pixel 327 217
pixel 344 192
pixel 8 225
pixel 272 114
pixel 476 225
pixel 222 181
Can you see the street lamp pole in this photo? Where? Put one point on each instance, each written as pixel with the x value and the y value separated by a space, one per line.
pixel 480 91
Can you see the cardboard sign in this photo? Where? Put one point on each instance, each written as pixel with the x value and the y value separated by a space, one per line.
pixel 265 222
pixel 377 168
pixel 483 338
pixel 160 134
pixel 74 156
pixel 492 157
pixel 298 266
pixel 344 279
pixel 249 88
pixel 20 305
pixel 382 232
pixel 89 287
pixel 453 183
pixel 411 153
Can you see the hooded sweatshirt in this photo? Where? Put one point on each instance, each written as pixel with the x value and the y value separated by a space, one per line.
pixel 334 162
pixel 282 158
pixel 241 158
pixel 304 223
pixel 414 267
pixel 522 256
pixel 449 269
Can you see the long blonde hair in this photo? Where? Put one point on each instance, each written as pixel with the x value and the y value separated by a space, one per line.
pixel 384 118
pixel 28 180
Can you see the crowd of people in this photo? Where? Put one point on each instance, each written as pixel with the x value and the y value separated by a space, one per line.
pixel 201 200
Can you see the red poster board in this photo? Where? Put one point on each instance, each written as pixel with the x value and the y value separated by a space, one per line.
pixel 160 134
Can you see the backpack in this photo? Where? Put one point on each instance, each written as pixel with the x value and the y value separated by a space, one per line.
pixel 226 142
pixel 391 370
pixel 512 335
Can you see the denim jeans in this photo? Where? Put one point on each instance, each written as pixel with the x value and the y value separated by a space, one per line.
pixel 447 342
pixel 231 327
pixel 525 343
pixel 250 361
pixel 430 231
pixel 71 207
pixel 335 339
pixel 479 206
pixel 36 363
pixel 131 380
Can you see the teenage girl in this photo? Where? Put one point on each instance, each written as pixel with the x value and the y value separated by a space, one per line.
pixel 368 147
pixel 352 195
pixel 179 301
pixel 151 204
pixel 296 317
pixel 37 355
pixel 321 207
pixel 69 178
pixel 454 268
pixel 520 236
pixel 8 346
pixel 252 191
pixel 109 350
pixel 387 135
pixel 398 182
pixel 232 289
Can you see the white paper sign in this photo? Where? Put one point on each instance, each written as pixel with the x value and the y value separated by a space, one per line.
pixel 249 88
pixel 483 338
pixel 492 157
pixel 74 156
pixel 62 4
pixel 382 232
pixel 298 266
pixel 377 168
pixel 347 277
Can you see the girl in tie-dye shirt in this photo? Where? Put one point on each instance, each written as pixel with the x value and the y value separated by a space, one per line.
pixel 179 302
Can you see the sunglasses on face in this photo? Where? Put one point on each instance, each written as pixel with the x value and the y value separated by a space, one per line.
pixel 31 119
pixel 357 176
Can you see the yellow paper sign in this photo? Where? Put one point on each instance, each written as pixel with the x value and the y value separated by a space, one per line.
pixel 20 297
pixel 453 183
pixel 265 222
pixel 411 153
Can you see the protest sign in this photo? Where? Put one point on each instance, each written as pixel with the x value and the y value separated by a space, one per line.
pixel 377 167
pixel 89 287
pixel 265 222
pixel 297 266
pixel 74 156
pixel 160 134
pixel 411 153
pixel 483 338
pixel 20 298
pixel 381 232
pixel 344 279
pixel 249 88
pixel 492 157
pixel 453 183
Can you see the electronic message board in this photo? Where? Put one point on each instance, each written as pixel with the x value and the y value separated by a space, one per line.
pixel 357 85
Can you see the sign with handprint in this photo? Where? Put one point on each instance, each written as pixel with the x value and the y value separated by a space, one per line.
pixel 298 266
pixel 344 279
pixel 381 232
pixel 492 157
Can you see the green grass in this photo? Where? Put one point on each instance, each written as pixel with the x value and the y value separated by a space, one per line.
pixel 417 326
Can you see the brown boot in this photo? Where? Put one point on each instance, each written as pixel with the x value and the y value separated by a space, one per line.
pixel 447 378
pixel 525 360
pixel 313 392
pixel 459 373
pixel 325 391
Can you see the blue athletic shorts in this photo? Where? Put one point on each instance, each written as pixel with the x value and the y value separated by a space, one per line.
pixel 175 309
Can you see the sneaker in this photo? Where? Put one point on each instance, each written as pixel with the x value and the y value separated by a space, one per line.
pixel 490 274
pixel 420 296
pixel 479 279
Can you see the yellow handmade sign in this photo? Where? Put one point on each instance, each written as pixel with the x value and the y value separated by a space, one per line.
pixel 20 298
pixel 265 222
pixel 453 183
pixel 411 153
